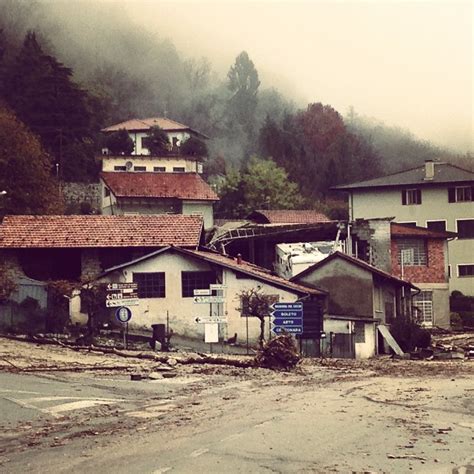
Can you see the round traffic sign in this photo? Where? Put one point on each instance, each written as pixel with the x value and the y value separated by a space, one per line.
pixel 123 314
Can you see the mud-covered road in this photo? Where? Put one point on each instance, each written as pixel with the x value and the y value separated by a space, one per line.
pixel 334 416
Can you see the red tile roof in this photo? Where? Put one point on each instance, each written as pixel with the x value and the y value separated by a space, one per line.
pixel 142 125
pixel 288 217
pixel 100 231
pixel 400 230
pixel 159 185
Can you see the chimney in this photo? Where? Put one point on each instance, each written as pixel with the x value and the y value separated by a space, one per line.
pixel 239 259
pixel 429 170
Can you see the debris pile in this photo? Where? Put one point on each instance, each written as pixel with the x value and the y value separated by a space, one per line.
pixel 279 353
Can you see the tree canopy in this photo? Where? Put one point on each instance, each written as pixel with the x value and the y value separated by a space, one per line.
pixel 120 143
pixel 260 185
pixel 157 141
pixel 25 171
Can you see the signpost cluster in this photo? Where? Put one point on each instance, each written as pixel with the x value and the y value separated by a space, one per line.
pixel 120 296
pixel 287 317
pixel 214 297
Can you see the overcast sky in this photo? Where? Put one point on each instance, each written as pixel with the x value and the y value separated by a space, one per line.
pixel 408 63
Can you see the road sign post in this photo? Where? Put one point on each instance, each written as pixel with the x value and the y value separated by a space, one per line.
pixel 123 315
pixel 121 294
pixel 287 317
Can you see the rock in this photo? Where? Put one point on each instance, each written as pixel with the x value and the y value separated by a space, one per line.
pixel 169 375
pixel 171 361
pixel 155 376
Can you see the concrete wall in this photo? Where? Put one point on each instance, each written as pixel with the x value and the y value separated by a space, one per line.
pixel 77 193
pixel 183 311
pixel 350 288
pixel 202 208
pixel 168 162
pixel 435 206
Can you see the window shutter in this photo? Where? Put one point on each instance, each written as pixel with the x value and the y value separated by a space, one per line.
pixel 418 196
pixel 451 194
pixel 404 197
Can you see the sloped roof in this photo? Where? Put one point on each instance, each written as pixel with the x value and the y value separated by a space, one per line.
pixel 445 173
pixel 400 230
pixel 159 185
pixel 288 216
pixel 246 268
pixel 100 231
pixel 357 262
pixel 142 125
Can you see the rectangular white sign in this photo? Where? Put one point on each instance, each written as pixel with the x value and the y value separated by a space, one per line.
pixel 209 320
pixel 123 302
pixel 209 299
pixel 202 292
pixel 211 333
pixel 215 286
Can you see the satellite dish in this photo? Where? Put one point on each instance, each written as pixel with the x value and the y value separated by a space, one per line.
pixel 128 165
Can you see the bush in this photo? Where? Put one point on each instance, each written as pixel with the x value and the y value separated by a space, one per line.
pixel 410 335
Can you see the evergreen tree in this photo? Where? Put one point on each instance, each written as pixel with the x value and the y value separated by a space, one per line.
pixel 41 91
pixel 120 143
pixel 157 141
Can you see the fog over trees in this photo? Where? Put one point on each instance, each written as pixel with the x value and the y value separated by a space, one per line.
pixel 93 67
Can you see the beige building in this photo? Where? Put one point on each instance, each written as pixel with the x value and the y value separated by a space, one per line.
pixel 167 279
pixel 438 196
pixel 138 130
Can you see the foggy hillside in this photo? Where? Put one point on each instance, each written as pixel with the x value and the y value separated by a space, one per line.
pixel 131 72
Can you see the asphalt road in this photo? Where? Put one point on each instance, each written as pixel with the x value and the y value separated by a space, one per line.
pixel 288 424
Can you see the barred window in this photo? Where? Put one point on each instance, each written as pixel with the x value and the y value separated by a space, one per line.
pixel 178 169
pixel 191 281
pixel 159 169
pixel 423 302
pixel 139 168
pixel 359 330
pixel 120 168
pixel 150 285
pixel 413 252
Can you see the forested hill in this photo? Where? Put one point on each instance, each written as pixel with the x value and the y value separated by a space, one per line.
pixel 105 69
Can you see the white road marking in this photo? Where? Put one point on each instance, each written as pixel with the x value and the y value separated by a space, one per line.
pixel 198 452
pixel 6 390
pixel 76 405
pixel 162 470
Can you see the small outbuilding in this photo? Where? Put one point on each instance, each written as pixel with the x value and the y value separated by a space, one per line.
pixel 361 298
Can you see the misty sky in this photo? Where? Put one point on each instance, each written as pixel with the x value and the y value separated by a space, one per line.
pixel 409 64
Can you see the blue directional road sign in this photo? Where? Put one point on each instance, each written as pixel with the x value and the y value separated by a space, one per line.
pixel 287 317
pixel 123 314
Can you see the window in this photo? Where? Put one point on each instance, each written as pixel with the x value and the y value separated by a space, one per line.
pixel 414 252
pixel 461 194
pixel 378 299
pixel 449 271
pixel 159 169
pixel 150 285
pixel 359 331
pixel 465 228
pixel 106 191
pixel 466 270
pixel 191 281
pixel 120 168
pixel 178 169
pixel 437 226
pixel 139 168
pixel 409 224
pixel 423 302
pixel 411 197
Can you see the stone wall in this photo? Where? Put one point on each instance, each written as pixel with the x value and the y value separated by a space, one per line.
pixel 77 193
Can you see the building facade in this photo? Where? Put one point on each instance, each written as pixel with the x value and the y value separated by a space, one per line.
pixel 438 196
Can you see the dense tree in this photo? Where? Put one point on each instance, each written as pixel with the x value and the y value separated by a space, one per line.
pixel 194 147
pixel 261 185
pixel 43 95
pixel 120 143
pixel 157 141
pixel 25 171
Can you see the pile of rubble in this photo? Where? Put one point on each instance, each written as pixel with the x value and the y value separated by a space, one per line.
pixel 279 353
pixel 447 346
